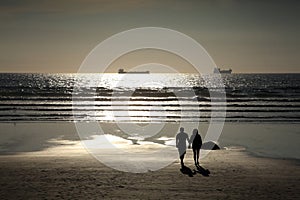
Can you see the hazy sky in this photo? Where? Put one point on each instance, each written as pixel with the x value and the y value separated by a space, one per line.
pixel 55 36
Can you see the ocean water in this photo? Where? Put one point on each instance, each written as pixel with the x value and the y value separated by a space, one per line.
pixel 149 97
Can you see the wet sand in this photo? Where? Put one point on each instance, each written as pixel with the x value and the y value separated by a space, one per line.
pixel 234 175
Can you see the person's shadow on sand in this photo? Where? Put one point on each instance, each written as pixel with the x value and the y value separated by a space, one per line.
pixel 202 171
pixel 186 170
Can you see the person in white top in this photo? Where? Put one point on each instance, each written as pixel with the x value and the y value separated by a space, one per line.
pixel 181 139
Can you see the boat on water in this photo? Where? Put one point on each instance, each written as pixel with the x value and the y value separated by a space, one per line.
pixel 122 71
pixel 222 71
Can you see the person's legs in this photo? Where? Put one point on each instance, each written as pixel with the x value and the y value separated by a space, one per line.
pixel 198 151
pixel 181 160
pixel 181 154
pixel 195 152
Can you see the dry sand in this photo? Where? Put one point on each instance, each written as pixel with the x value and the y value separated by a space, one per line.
pixel 234 175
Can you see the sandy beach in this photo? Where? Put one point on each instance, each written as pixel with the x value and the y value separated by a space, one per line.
pixel 234 175
pixel 47 161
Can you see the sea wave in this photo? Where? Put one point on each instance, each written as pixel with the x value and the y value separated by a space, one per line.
pixel 69 97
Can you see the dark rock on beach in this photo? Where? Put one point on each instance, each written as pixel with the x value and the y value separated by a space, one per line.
pixel 210 145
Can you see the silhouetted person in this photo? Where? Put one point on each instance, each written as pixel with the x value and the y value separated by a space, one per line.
pixel 196 141
pixel 181 139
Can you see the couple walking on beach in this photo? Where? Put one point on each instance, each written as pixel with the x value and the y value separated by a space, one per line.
pixel 195 140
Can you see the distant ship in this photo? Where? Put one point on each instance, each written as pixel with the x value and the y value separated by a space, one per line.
pixel 122 71
pixel 222 71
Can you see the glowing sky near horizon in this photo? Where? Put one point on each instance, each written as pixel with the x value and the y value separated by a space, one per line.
pixel 55 36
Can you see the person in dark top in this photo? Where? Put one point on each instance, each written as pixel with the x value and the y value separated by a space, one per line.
pixel 196 141
pixel 181 139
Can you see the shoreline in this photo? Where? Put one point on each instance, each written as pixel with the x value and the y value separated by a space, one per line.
pixel 261 140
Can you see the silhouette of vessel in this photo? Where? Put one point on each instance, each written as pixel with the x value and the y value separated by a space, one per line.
pixel 122 71
pixel 222 71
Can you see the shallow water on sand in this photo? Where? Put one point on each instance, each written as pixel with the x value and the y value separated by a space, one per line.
pixel 266 139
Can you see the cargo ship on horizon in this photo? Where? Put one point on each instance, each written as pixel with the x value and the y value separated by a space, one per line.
pixel 122 71
pixel 222 71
